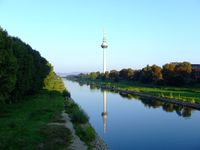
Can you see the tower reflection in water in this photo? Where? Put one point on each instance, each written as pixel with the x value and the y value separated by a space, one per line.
pixel 104 113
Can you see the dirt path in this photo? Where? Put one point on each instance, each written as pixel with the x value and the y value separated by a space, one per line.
pixel 77 143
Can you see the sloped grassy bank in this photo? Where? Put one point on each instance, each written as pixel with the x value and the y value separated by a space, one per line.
pixel 82 126
pixel 37 123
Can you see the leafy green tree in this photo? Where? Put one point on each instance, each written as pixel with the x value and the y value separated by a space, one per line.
pixel 93 75
pixel 52 82
pixel 146 75
pixel 114 75
pixel 106 75
pixel 123 74
pixel 23 71
pixel 136 76
pixel 126 74
pixel 8 67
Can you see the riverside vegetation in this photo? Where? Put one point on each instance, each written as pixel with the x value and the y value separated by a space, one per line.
pixel 173 80
pixel 80 119
pixel 32 99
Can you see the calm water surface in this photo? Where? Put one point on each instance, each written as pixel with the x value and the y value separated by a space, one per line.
pixel 130 123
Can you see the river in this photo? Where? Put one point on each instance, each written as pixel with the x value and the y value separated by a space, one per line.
pixel 130 123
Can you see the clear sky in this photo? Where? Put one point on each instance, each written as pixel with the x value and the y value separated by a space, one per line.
pixel 139 32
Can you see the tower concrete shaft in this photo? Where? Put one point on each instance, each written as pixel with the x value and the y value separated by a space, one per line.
pixel 104 60
pixel 104 45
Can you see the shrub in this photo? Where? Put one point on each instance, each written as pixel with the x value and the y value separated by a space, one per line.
pixel 66 93
pixel 86 134
pixel 90 134
pixel 79 116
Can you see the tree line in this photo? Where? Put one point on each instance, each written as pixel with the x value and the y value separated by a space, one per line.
pixel 23 71
pixel 173 74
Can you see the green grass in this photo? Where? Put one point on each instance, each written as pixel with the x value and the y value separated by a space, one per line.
pixel 191 94
pixel 187 93
pixel 23 125
pixel 86 134
pixel 76 114
pixel 56 137
pixel 80 119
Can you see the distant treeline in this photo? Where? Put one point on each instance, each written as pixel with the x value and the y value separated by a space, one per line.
pixel 173 74
pixel 23 71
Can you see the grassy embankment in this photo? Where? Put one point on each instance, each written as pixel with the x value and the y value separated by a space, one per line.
pixel 80 122
pixel 25 125
pixel 187 93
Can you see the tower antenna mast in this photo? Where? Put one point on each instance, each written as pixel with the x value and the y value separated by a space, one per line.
pixel 104 45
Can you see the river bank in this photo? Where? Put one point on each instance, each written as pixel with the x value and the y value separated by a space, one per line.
pixel 84 135
pixel 131 120
pixel 125 89
pixel 31 123
pixel 164 99
pixel 40 123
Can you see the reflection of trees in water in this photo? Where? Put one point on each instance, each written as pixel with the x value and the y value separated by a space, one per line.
pixel 151 103
pixel 81 83
pixel 128 96
pixel 168 107
pixel 187 112
pixel 92 87
pixel 113 91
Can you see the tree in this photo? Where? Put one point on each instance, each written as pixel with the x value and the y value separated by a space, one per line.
pixel 123 74
pixel 126 74
pixel 52 82
pixel 157 73
pixel 136 76
pixel 93 75
pixel 168 73
pixel 106 75
pixel 114 75
pixel 183 72
pixel 130 73
pixel 8 67
pixel 177 73
pixel 23 71
pixel 146 75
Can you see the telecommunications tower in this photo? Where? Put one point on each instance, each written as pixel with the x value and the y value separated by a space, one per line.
pixel 104 45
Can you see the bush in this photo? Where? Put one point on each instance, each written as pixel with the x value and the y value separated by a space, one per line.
pixel 79 116
pixel 90 134
pixel 66 93
pixel 70 106
pixel 86 134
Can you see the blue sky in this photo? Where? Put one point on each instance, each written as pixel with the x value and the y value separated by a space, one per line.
pixel 139 32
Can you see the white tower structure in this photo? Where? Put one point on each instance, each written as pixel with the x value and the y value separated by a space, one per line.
pixel 104 113
pixel 104 45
